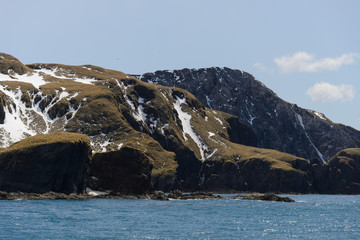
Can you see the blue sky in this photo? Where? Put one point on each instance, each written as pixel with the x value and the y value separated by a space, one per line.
pixel 308 52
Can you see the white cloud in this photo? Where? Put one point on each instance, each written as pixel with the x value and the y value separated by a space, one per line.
pixel 305 62
pixel 326 92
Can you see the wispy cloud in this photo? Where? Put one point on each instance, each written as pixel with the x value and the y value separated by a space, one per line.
pixel 326 92
pixel 305 62
pixel 260 67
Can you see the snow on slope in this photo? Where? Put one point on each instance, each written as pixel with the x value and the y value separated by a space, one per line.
pixel 308 137
pixel 56 72
pixel 22 120
pixel 36 79
pixel 187 128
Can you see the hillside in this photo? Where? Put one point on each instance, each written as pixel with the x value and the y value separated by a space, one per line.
pixel 278 124
pixel 189 146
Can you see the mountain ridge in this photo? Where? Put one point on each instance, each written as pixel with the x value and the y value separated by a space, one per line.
pixel 277 123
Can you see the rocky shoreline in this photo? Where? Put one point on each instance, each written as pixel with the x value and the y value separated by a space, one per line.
pixel 157 195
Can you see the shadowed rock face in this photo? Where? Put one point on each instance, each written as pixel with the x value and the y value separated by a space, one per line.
pixel 258 175
pixel 127 170
pixel 277 124
pixel 341 175
pixel 54 162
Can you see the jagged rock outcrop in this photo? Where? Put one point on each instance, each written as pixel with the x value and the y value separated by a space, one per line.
pixel 277 123
pixel 341 175
pixel 56 162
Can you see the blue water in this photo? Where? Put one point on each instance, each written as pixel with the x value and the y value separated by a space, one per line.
pixel 310 217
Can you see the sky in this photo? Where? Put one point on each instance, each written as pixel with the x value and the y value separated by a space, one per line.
pixel 307 52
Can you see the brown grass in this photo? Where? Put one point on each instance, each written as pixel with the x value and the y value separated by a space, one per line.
pixel 41 139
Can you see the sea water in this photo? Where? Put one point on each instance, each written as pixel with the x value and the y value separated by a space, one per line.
pixel 310 217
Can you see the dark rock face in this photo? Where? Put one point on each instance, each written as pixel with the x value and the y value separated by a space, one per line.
pixel 54 162
pixel 258 175
pixel 127 170
pixel 264 197
pixel 277 124
pixel 341 175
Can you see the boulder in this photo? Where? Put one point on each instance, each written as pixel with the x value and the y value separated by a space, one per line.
pixel 55 162
pixel 159 195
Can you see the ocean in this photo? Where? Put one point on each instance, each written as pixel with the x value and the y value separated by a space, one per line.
pixel 310 217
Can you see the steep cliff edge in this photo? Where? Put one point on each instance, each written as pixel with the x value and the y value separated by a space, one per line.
pixel 341 175
pixel 278 124
pixel 56 162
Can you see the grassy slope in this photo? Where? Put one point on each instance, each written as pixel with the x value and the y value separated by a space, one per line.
pixel 42 139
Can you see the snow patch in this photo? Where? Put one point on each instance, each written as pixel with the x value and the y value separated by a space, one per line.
pixel 185 119
pixel 153 125
pixel 54 72
pixel 215 150
pixel 320 115
pixel 276 113
pixel 208 101
pixel 139 114
pixel 33 78
pixel 300 120
pixel 89 81
pixel 218 119
pixel 15 127
pixel 87 68
pixel 308 137
pixel 23 120
pixel 162 129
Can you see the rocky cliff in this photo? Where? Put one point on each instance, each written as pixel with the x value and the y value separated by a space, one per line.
pixel 126 170
pixel 340 175
pixel 277 123
pixel 56 162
